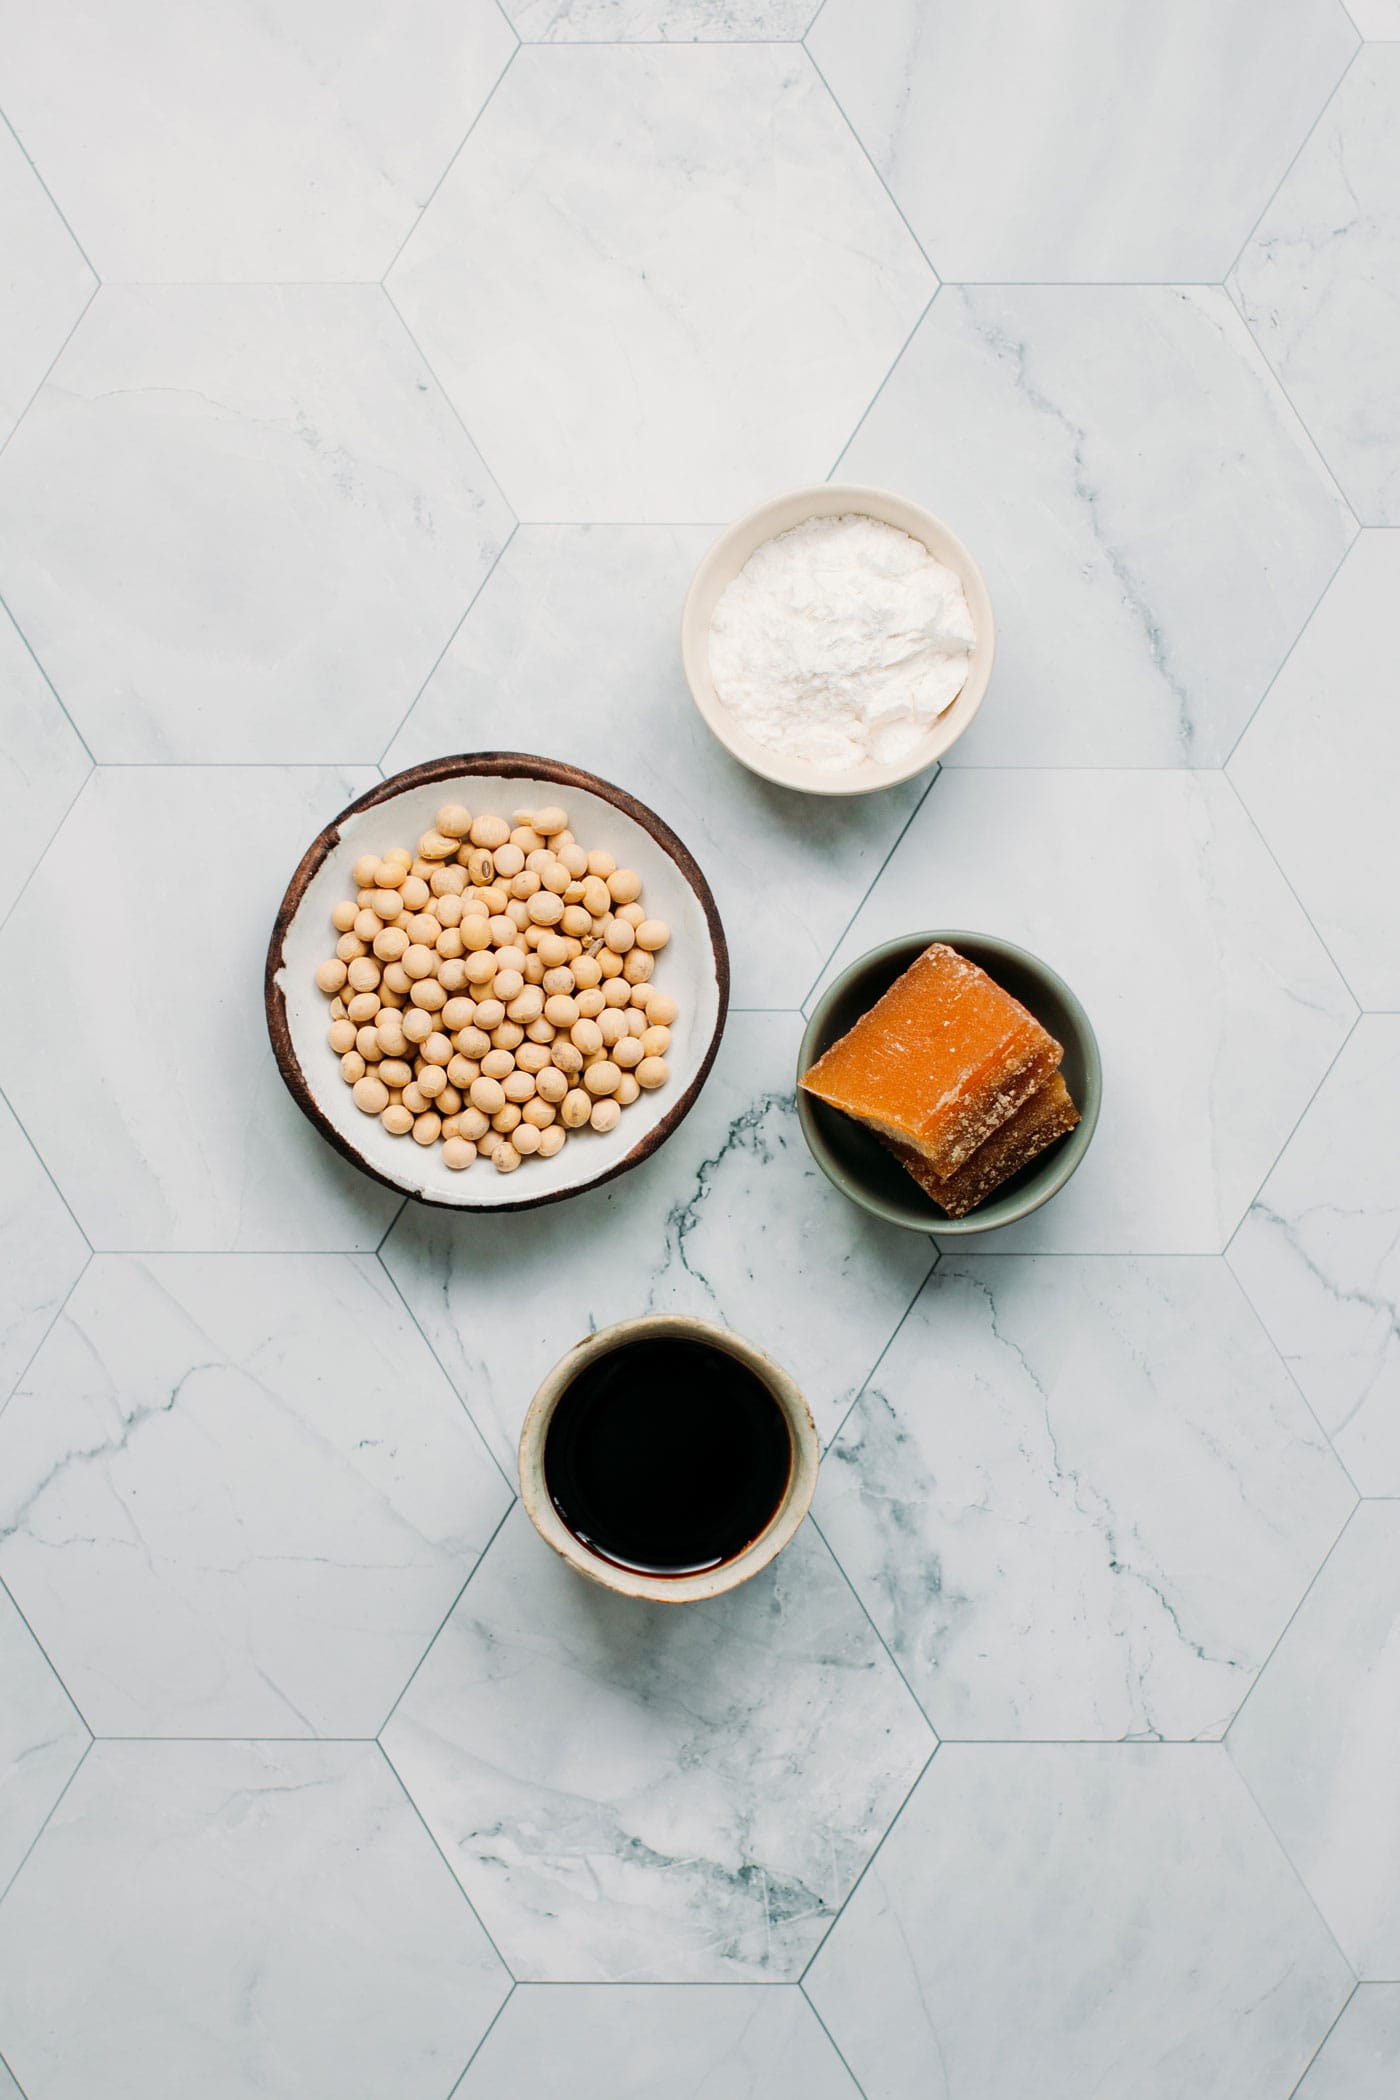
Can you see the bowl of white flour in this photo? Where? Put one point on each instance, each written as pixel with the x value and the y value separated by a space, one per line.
pixel 838 639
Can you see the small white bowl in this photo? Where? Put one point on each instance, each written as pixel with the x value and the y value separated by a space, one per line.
pixel 694 969
pixel 722 563
pixel 629 1582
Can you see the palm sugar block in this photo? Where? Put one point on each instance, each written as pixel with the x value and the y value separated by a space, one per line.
pixel 1048 1115
pixel 938 1064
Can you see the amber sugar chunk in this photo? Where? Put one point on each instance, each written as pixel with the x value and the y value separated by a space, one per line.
pixel 940 1062
pixel 1048 1115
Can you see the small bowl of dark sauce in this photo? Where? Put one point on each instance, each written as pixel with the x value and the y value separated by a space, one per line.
pixel 667 1458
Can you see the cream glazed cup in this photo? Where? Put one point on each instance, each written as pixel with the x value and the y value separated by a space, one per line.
pixel 669 1589
pixel 722 563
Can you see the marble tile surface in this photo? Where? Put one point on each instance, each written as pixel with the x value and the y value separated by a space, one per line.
pixel 1081 1498
pixel 732 1221
pixel 41 1251
pixel 1319 1256
pixel 238 1497
pixel 1319 769
pixel 659 21
pixel 1088 141
pixel 42 760
pixel 1319 283
pixel 631 1792
pixel 236 1918
pixel 1378 19
pixel 46 280
pixel 42 1740
pixel 245 142
pixel 1216 1009
pixel 634 2042
pixel 1316 1741
pixel 1153 522
pixel 979 1952
pixel 660 283
pixel 241 522
pixel 1358 2059
pixel 8 2089
pixel 576 632
pixel 215 1155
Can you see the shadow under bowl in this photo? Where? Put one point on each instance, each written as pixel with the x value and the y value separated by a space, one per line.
pixel 856 1161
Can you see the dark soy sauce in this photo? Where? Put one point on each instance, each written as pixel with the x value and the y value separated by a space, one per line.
pixel 667 1457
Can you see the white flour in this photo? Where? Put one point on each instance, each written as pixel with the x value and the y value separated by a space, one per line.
pixel 840 642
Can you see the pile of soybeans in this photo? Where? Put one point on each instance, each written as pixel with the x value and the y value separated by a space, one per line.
pixel 492 991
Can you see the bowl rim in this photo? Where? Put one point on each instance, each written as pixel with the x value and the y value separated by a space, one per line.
pixel 1071 1151
pixel 760 523
pixel 501 765
pixel 778 1532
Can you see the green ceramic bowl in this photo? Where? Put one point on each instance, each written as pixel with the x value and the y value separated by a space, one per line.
pixel 854 1159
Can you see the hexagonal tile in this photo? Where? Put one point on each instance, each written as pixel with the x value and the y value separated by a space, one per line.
pixel 576 635
pixel 41 1251
pixel 47 282
pixel 229 1918
pixel 42 762
pixel 1357 2061
pixel 241 522
pixel 243 143
pixel 42 1740
pixel 635 2041
pixel 1319 1258
pixel 1081 1498
pixel 1316 1742
pixel 1319 767
pixel 1216 1009
pixel 239 1495
pixel 1318 284
pixel 1059 1918
pixel 634 1792
pixel 659 283
pixel 731 1220
pixel 1153 522
pixel 1088 141
pixel 659 21
pixel 147 926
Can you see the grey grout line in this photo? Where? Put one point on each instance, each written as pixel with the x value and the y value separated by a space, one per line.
pixel 458 2088
pixel 1343 559
pixel 29 1629
pixel 840 2052
pixel 48 1175
pixel 885 1837
pixel 890 1341
pixel 862 900
pixel 894 367
pixel 1287 1857
pixel 864 1610
pixel 1262 1670
pixel 43 382
pixel 868 157
pixel 461 2082
pixel 461 422
pixel 456 1880
pixel 97 275
pixel 1287 881
pixel 4 2065
pixel 1320 459
pixel 1286 1366
pixel 383 1242
pixel 460 1398
pixel 87 1750
pixel 32 1358
pixel 1293 2090
pixel 460 623
pixel 1301 149
pixel 456 154
pixel 821 10
pixel 437 1631
pixel 59 700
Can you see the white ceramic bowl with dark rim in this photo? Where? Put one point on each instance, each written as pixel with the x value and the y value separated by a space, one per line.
pixel 721 564
pixel 631 1582
pixel 693 968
